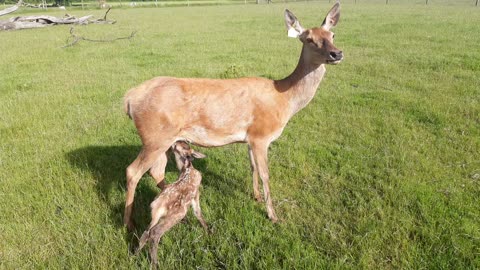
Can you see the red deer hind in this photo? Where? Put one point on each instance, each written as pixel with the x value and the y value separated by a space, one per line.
pixel 214 112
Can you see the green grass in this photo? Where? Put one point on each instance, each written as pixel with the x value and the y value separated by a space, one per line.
pixel 380 171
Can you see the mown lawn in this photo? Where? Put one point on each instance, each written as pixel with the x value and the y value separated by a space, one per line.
pixel 380 171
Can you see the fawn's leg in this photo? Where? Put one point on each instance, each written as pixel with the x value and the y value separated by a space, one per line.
pixel 157 214
pixel 155 234
pixel 157 231
pixel 143 240
pixel 197 211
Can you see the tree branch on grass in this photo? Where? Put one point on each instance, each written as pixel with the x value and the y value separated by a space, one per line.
pixel 74 39
pixel 31 5
pixel 25 22
pixel 104 20
pixel 11 9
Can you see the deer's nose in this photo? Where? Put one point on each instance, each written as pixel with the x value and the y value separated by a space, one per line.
pixel 336 55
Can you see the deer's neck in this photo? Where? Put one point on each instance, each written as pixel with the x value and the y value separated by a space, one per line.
pixel 190 176
pixel 185 175
pixel 300 86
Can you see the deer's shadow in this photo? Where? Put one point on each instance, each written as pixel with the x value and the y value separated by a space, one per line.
pixel 107 164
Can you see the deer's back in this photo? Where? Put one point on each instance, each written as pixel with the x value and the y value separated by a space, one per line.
pixel 180 193
pixel 208 112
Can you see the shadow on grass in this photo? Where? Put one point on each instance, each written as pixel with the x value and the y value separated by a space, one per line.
pixel 108 164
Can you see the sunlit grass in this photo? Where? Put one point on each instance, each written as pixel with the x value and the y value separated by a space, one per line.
pixel 381 170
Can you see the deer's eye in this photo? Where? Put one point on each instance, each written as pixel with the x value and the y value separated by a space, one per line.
pixel 333 37
pixel 309 40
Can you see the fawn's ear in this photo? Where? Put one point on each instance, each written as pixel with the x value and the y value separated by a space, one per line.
pixel 332 17
pixel 196 154
pixel 293 25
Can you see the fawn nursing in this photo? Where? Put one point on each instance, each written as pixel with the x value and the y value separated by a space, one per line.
pixel 171 205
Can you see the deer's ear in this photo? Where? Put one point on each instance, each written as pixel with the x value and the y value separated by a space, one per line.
pixel 293 25
pixel 196 154
pixel 332 17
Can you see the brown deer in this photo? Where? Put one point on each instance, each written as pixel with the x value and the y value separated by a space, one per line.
pixel 171 205
pixel 214 112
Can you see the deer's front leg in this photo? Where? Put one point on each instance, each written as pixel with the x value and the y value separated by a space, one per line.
pixel 260 153
pixel 253 167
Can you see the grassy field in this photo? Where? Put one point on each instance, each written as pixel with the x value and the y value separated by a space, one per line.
pixel 94 4
pixel 380 171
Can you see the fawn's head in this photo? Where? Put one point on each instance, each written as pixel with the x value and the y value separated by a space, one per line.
pixel 317 41
pixel 186 153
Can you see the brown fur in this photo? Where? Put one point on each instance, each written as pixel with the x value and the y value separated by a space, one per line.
pixel 211 112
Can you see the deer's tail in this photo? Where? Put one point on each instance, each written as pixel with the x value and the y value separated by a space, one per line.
pixel 127 103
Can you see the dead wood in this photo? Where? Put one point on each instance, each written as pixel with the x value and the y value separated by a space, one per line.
pixel 24 22
pixel 31 5
pixel 74 39
pixel 41 5
pixel 104 19
pixel 11 9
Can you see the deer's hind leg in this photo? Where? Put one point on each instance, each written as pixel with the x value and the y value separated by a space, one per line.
pixel 143 240
pixel 253 167
pixel 147 158
pixel 156 233
pixel 158 170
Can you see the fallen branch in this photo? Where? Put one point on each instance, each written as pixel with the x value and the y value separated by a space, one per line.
pixel 24 22
pixel 74 39
pixel 11 9
pixel 31 5
pixel 41 5
pixel 104 20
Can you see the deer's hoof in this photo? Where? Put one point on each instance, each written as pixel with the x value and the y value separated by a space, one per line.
pixel 161 185
pixel 130 226
pixel 273 218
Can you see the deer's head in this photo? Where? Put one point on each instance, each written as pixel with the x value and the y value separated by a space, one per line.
pixel 186 153
pixel 317 41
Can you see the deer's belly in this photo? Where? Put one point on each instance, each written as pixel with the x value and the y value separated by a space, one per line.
pixel 210 138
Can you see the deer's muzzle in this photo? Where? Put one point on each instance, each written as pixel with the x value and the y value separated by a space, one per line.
pixel 335 57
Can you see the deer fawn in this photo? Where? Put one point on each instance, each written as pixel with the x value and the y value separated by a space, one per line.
pixel 246 110
pixel 171 205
